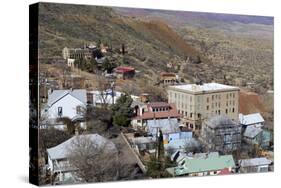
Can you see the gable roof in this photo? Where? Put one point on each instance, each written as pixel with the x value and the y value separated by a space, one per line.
pixel 56 95
pixel 250 119
pixel 61 151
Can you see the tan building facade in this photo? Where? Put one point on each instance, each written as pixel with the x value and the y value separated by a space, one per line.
pixel 168 78
pixel 199 102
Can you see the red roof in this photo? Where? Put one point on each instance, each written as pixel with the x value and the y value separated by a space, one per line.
pixel 224 171
pixel 124 69
pixel 167 74
pixel 171 113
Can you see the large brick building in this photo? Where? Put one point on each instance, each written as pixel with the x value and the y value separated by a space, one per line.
pixel 199 102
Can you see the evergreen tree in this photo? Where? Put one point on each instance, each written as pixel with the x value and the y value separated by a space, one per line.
pixel 122 111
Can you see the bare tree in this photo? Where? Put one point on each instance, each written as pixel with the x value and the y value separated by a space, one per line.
pixel 102 87
pixel 94 161
pixel 192 146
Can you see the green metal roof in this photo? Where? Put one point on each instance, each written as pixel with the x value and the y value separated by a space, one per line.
pixel 203 165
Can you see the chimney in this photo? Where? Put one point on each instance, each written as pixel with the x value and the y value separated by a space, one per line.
pixel 76 131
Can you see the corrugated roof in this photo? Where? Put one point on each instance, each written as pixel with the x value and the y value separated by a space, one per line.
pixel 252 131
pixel 251 119
pixel 166 125
pixel 254 162
pixel 61 151
pixel 204 165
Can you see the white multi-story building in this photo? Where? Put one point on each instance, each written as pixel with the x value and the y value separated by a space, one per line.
pixel 199 102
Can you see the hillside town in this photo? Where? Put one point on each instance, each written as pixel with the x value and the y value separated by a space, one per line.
pixel 102 130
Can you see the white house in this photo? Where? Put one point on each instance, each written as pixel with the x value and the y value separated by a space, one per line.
pixel 58 162
pixel 65 104
pixel 261 164
pixel 70 62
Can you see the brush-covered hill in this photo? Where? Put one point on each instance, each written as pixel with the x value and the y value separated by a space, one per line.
pixel 241 46
pixel 150 44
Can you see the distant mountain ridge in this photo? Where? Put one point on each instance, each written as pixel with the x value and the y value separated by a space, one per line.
pixel 266 20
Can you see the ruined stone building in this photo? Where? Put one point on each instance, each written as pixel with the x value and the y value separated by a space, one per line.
pixel 222 134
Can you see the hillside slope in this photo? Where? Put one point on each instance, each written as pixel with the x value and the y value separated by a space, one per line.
pixel 150 44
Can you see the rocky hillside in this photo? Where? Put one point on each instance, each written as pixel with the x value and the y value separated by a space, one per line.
pixel 240 47
pixel 150 44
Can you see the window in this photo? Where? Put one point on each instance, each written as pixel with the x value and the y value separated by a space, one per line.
pixel 207 99
pixel 59 111
pixel 219 112
pixel 79 110
pixel 233 95
pixel 207 107
pixel 213 97
pixel 199 115
pixel 191 115
pixel 226 103
pixel 233 110
pixel 226 111
pixel 191 126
